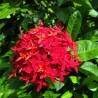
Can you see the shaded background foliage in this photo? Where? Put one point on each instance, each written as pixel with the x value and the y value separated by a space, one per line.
pixel 79 17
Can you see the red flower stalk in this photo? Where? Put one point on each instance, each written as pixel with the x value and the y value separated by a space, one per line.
pixel 44 52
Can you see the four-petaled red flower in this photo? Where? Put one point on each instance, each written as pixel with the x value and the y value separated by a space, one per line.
pixel 44 52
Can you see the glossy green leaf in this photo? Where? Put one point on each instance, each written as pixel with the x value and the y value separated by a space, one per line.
pixel 93 13
pixel 67 94
pixel 89 82
pixel 89 69
pixel 74 79
pixel 93 86
pixel 76 4
pixel 85 3
pixel 87 49
pixel 74 24
pixel 51 94
pixel 58 85
pixel 8 8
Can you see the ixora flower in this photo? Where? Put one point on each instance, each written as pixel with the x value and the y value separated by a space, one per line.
pixel 44 52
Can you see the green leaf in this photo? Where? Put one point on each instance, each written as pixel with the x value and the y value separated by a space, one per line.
pixel 25 96
pixel 4 65
pixel 7 54
pixel 95 94
pixel 87 80
pixel 87 49
pixel 2 25
pixel 85 3
pixel 92 86
pixel 84 95
pixel 51 94
pixel 58 85
pixel 74 79
pixel 35 94
pixel 93 13
pixel 92 35
pixel 61 2
pixel 10 87
pixel 7 93
pixel 74 24
pixel 1 94
pixel 8 8
pixel 62 14
pixel 52 86
pixel 89 69
pixel 2 37
pixel 67 94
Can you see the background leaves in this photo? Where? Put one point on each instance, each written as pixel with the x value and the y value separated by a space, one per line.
pixel 74 24
pixel 87 49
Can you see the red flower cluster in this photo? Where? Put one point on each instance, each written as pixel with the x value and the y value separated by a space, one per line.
pixel 44 52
